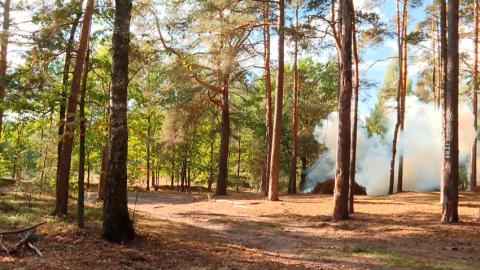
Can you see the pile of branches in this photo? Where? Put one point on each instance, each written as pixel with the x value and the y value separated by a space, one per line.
pixel 28 236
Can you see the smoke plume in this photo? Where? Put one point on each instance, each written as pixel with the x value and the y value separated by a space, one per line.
pixel 421 149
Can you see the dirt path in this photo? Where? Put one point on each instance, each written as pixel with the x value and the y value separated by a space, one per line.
pixel 246 231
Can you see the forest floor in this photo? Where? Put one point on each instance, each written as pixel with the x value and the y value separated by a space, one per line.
pixel 244 231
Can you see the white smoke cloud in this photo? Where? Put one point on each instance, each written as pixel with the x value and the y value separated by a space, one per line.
pixel 421 149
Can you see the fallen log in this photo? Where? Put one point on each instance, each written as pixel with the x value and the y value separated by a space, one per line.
pixel 23 230
pixel 29 236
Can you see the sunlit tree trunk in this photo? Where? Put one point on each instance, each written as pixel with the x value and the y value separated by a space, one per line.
pixel 117 226
pixel 81 151
pixel 3 58
pixel 61 202
pixel 450 184
pixel 69 50
pixel 353 149
pixel 473 159
pixel 444 85
pixel 399 98
pixel 268 95
pixel 274 172
pixel 340 196
pixel 404 95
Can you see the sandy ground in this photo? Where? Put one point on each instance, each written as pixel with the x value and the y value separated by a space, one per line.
pixel 185 231
pixel 244 230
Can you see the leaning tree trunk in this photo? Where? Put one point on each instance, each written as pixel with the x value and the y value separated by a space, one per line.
pixel 3 58
pixel 274 171
pixel 224 142
pixel 268 95
pixel 81 151
pixel 340 196
pixel 450 184
pixel 61 202
pixel 473 159
pixel 353 149
pixel 117 226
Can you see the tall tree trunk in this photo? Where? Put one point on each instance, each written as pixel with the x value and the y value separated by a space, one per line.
pixel 404 95
pixel 268 95
pixel 353 149
pixel 3 58
pixel 399 98
pixel 81 151
pixel 224 142
pixel 274 172
pixel 340 196
pixel 61 202
pixel 473 159
pixel 148 153
pixel 444 84
pixel 61 118
pixel 450 185
pixel 296 89
pixel 117 226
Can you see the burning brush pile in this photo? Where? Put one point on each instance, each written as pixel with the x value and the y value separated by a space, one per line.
pixel 327 187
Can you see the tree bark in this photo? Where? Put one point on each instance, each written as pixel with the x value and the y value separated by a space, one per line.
pixel 353 149
pixel 224 142
pixel 450 185
pixel 340 196
pixel 404 94
pixel 117 226
pixel 81 151
pixel 61 202
pixel 268 95
pixel 292 189
pixel 444 84
pixel 473 159
pixel 399 97
pixel 61 118
pixel 3 58
pixel 274 172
